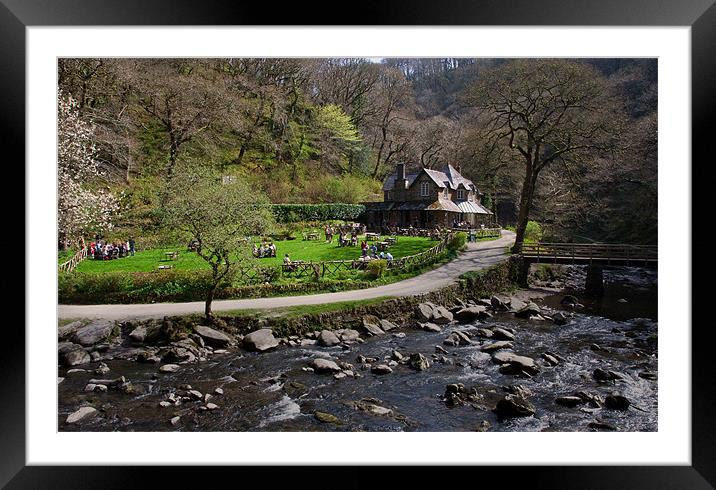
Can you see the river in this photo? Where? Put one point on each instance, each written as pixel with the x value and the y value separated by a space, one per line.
pixel 272 391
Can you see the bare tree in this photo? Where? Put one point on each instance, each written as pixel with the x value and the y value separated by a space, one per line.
pixel 546 111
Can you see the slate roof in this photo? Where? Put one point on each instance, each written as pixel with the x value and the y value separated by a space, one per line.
pixel 447 177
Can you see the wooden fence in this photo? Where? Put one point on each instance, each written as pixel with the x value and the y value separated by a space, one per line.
pixel 70 265
pixel 323 268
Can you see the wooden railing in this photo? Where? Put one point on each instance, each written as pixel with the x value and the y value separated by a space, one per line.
pixel 430 232
pixel 70 265
pixel 616 252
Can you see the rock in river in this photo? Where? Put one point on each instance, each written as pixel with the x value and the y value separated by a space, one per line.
pixel 328 339
pixel 615 401
pixel 326 418
pixel 371 324
pixel 502 334
pixel 94 333
pixel 431 327
pixel 441 315
pixel 260 340
pixel 72 354
pixel 381 369
pixel 321 365
pixel 471 313
pixel 213 337
pixel 424 312
pixel 169 368
pixel 530 309
pixel 419 362
pixel 83 413
pixel 457 338
pixel 495 346
pixel 514 364
pixel 514 406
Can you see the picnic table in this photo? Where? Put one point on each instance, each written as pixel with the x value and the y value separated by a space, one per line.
pixel 369 236
pixel 391 240
pixel 382 246
pixel 171 255
pixel 312 236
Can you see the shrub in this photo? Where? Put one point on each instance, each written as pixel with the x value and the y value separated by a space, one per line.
pixel 533 232
pixel 457 241
pixel 376 268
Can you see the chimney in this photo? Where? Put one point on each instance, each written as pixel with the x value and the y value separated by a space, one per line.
pixel 400 171
pixel 400 176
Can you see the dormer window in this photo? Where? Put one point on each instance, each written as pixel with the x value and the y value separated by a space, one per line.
pixel 424 189
pixel 445 193
pixel 461 194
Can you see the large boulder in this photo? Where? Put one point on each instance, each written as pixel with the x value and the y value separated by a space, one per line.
pixel 530 309
pixel 94 333
pixel 500 303
pixel 431 327
pixel 70 354
pixel 424 312
pixel 471 313
pixel 371 324
pixel 514 406
pixel 502 334
pixel 348 334
pixel 328 339
pixel 387 325
pixel 321 365
pixel 213 337
pixel 514 364
pixel 441 315
pixel 66 331
pixel 139 334
pixel 260 340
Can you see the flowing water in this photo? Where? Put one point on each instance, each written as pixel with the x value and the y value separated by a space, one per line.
pixel 272 392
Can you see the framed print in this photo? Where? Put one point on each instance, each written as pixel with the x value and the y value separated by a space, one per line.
pixel 432 237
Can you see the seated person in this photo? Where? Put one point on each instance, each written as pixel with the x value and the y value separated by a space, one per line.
pixel 354 240
pixel 272 250
pixel 388 256
pixel 287 264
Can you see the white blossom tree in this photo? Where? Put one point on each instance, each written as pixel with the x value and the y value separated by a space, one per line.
pixel 82 205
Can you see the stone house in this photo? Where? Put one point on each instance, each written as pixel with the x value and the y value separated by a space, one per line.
pixel 428 198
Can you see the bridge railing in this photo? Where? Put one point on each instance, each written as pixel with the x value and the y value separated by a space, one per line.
pixel 588 251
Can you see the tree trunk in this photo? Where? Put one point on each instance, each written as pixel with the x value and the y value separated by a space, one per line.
pixel 528 188
pixel 209 299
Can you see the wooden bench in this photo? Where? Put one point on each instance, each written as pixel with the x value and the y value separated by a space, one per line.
pixel 171 255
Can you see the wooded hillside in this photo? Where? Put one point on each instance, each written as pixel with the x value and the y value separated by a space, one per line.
pixel 328 130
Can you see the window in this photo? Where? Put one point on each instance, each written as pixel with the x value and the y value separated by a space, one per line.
pixel 460 194
pixel 445 193
pixel 424 189
pixel 388 195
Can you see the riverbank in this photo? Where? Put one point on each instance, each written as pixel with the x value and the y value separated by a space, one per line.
pixel 445 363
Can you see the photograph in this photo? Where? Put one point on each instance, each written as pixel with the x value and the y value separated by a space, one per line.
pixel 357 244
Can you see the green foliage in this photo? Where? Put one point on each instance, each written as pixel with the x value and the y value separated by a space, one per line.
pixel 533 231
pixel 286 213
pixel 376 268
pixel 457 241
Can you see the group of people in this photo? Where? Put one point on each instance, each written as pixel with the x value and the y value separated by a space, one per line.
pixel 369 252
pixel 102 250
pixel 347 234
pixel 265 250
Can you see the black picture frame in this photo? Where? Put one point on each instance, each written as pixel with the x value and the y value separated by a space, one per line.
pixel 700 15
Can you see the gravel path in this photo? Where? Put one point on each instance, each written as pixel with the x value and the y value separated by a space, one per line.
pixel 478 256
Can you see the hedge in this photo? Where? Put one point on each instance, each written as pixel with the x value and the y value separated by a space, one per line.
pixel 288 213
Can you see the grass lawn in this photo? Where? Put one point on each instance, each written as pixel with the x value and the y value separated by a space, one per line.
pixel 314 250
